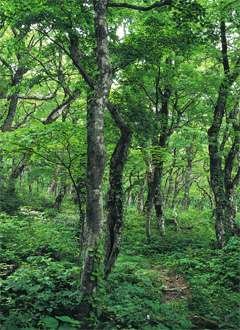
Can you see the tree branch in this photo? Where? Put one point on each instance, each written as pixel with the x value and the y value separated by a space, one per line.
pixel 56 113
pixel 141 8
pixel 37 98
pixel 74 55
pixel 224 48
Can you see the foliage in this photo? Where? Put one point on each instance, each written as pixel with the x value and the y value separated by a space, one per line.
pixel 170 74
pixel 9 202
pixel 39 278
pixel 31 233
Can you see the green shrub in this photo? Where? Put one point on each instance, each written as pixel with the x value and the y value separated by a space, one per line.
pixel 10 201
pixel 31 233
pixel 40 287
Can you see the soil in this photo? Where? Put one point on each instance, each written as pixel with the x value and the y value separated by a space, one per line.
pixel 175 289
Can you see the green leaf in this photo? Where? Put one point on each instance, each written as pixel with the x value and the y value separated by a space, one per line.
pixel 66 327
pixel 67 319
pixel 50 322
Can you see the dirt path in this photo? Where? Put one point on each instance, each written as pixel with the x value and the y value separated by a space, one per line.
pixel 176 287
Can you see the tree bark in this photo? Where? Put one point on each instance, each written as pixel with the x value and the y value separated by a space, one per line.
pixel 158 163
pixel 119 157
pixel 141 196
pixel 15 174
pixel 149 202
pixel 115 193
pixel 96 155
pixel 16 80
pixel 158 199
pixel 222 183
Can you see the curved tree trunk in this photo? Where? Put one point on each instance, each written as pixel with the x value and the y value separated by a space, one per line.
pixel 115 193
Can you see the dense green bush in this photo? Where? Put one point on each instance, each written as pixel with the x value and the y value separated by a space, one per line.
pixel 10 200
pixel 31 233
pixel 39 275
pixel 40 278
pixel 40 287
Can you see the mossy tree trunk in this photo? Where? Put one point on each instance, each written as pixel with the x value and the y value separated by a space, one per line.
pixel 222 180
pixel 96 154
pixel 115 192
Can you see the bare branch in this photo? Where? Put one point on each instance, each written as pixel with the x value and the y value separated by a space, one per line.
pixel 38 98
pixel 56 113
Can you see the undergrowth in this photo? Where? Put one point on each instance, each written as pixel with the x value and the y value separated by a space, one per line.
pixel 40 278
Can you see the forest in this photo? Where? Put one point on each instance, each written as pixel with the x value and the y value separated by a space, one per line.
pixel 120 164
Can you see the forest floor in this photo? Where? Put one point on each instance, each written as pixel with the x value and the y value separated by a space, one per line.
pixel 179 282
pixel 176 287
pixel 175 290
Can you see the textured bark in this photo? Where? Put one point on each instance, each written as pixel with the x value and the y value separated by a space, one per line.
pixel 222 183
pixel 158 199
pixel 158 164
pixel 168 187
pixel 119 157
pixel 16 80
pixel 17 170
pixel 96 153
pixel 115 193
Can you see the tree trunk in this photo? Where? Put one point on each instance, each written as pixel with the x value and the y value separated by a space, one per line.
pixel 141 196
pixel 60 196
pixel 18 169
pixel 115 193
pixel 158 199
pixel 187 183
pixel 149 202
pixel 159 158
pixel 16 80
pixel 222 183
pixel 96 154
pixel 148 219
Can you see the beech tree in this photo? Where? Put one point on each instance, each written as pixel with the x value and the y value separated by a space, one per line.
pixel 158 70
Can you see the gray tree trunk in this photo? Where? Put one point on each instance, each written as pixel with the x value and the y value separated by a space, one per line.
pixel 96 155
pixel 222 182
